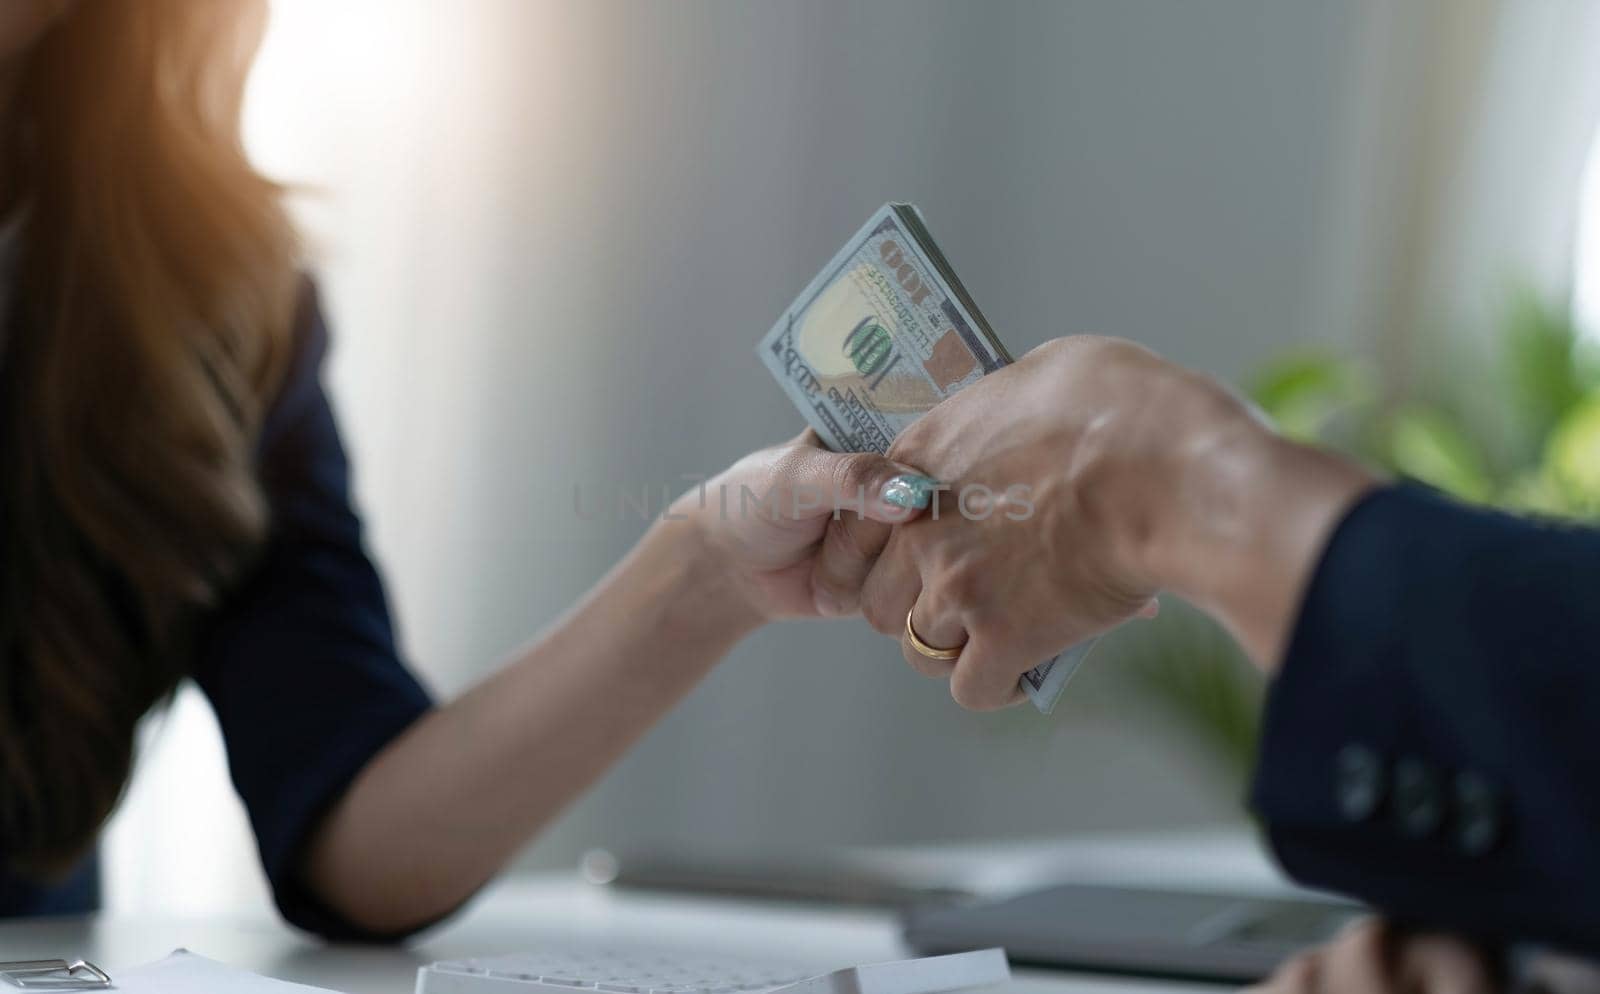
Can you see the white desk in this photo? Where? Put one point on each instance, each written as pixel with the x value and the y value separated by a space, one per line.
pixel 516 914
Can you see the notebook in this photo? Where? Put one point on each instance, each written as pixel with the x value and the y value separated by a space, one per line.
pixel 185 973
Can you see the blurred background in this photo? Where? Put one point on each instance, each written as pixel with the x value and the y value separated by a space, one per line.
pixel 549 235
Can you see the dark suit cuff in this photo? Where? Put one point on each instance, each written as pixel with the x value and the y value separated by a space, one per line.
pixel 1380 775
pixel 1337 686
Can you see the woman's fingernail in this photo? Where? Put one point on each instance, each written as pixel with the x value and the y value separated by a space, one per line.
pixel 910 491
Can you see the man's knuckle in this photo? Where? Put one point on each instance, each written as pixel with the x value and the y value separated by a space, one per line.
pixel 961 692
pixel 830 581
pixel 997 626
pixel 947 600
pixel 880 615
pixel 969 689
pixel 963 587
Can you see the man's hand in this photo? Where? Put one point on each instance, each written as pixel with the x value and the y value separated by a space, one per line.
pixel 1083 479
pixel 1374 957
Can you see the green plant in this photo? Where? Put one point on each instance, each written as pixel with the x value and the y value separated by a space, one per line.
pixel 1522 434
pixel 1543 391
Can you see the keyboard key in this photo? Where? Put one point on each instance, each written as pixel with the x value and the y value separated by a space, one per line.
pixel 611 971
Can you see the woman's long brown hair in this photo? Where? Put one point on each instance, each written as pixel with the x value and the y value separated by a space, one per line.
pixel 152 302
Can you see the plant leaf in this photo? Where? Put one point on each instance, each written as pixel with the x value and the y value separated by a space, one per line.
pixel 1572 458
pixel 1426 445
pixel 1303 394
pixel 1545 367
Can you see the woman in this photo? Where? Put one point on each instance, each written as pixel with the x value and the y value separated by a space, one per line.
pixel 174 504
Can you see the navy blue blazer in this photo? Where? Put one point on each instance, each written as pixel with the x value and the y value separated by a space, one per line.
pixel 1429 745
pixel 300 661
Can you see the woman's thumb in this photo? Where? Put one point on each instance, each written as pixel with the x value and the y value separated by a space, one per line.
pixel 883 490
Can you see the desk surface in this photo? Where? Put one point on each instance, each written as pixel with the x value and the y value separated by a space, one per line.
pixel 513 915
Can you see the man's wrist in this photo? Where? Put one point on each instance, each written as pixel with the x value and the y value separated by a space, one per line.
pixel 1244 523
pixel 1195 450
pixel 1205 498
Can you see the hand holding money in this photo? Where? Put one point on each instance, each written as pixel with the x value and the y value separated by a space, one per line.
pixel 1374 956
pixel 1095 475
pixel 884 333
pixel 1040 543
pixel 1080 481
pixel 770 524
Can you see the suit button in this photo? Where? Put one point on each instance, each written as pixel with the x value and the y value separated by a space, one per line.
pixel 1480 815
pixel 1359 784
pixel 1418 799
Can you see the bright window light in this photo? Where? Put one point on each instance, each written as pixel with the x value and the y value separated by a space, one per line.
pixel 1586 275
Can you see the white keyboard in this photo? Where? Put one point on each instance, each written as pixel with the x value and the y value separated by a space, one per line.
pixel 571 970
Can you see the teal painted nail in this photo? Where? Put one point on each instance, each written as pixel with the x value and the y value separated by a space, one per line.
pixel 910 491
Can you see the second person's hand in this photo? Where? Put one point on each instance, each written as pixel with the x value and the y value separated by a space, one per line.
pixel 1082 480
pixel 1376 957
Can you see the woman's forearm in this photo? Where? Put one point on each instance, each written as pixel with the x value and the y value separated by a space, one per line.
pixel 435 814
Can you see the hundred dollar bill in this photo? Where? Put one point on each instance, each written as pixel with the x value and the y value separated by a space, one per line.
pixel 881 335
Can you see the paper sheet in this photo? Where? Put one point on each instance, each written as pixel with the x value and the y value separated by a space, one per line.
pixel 185 973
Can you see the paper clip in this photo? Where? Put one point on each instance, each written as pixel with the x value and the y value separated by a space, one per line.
pixel 54 975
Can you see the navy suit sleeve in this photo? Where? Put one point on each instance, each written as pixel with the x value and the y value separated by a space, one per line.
pixel 1430 743
pixel 300 662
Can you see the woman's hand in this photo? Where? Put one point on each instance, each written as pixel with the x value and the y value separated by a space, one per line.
pixel 1374 957
pixel 1082 480
pixel 759 542
pixel 796 528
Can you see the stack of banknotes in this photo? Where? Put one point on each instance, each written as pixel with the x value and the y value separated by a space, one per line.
pixel 881 335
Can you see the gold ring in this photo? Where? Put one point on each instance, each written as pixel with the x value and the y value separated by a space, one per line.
pixel 924 648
